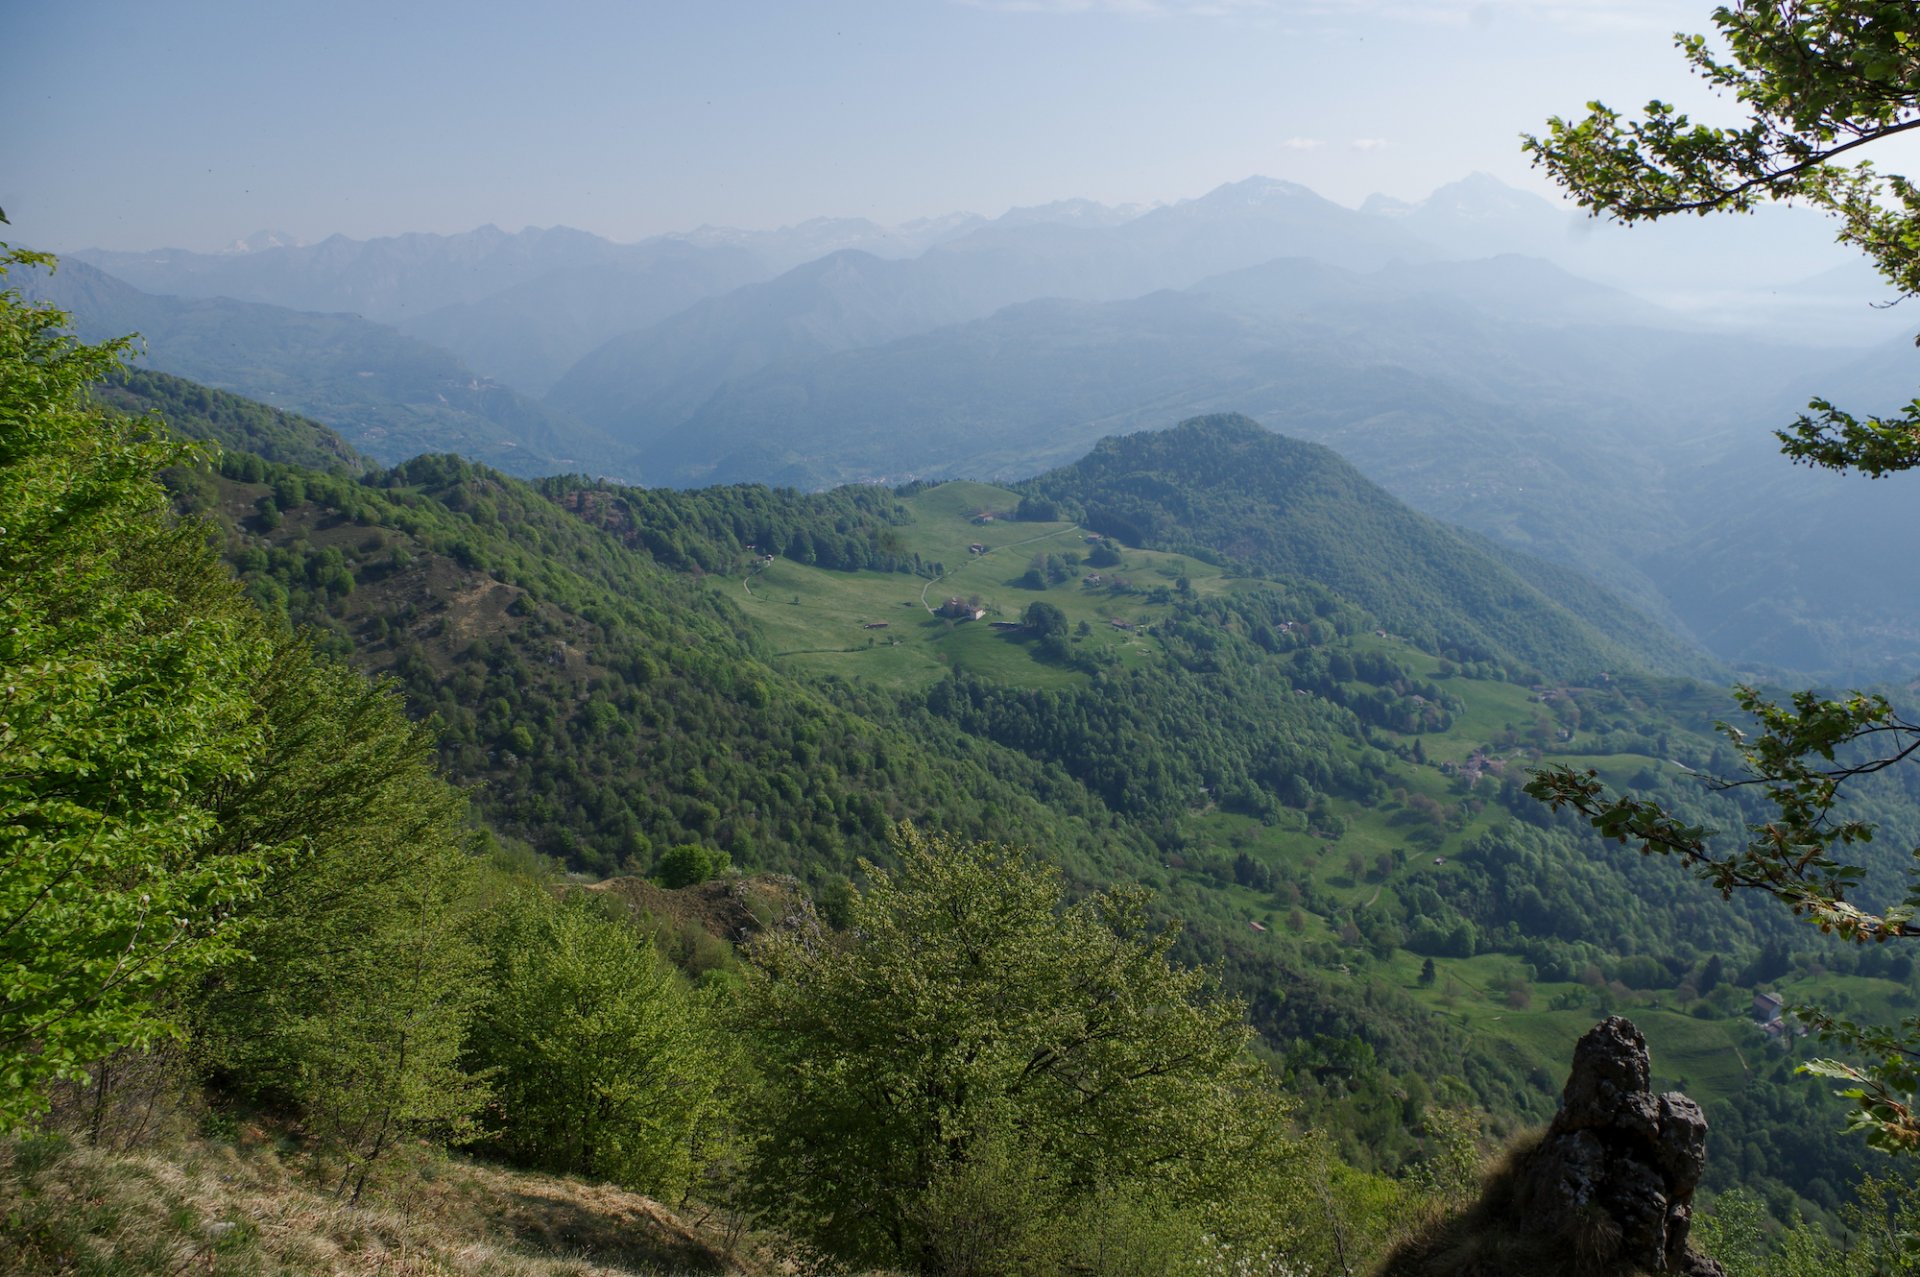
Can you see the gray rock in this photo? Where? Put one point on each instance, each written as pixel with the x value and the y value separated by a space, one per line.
pixel 1618 1166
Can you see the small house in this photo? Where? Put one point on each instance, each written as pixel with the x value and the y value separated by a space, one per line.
pixel 1767 1007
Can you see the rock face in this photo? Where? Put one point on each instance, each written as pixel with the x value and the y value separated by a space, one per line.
pixel 1618 1167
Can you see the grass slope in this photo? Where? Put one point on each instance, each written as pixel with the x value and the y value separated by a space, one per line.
pixel 254 1204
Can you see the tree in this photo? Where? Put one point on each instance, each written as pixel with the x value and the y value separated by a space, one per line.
pixel 1045 620
pixel 127 659
pixel 600 1059
pixel 690 864
pixel 969 1016
pixel 360 974
pixel 1820 80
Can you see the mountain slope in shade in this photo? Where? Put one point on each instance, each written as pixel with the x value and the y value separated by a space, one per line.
pixel 390 278
pixel 644 385
pixel 1226 484
pixel 236 423
pixel 529 334
pixel 1540 432
pixel 520 308
pixel 389 395
pixel 1743 274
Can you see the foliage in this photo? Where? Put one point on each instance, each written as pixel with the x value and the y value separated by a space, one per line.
pixel 1880 1235
pixel 690 864
pixel 126 662
pixel 848 529
pixel 602 706
pixel 601 1061
pixel 1820 78
pixel 605 710
pixel 1224 488
pixel 359 975
pixel 241 425
pixel 970 1011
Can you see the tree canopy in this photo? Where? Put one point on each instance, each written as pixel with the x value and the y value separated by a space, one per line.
pixel 968 1012
pixel 126 659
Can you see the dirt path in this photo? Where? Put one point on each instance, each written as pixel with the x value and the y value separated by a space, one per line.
pixel 1011 545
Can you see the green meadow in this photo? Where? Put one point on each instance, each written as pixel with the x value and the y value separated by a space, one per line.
pixel 886 629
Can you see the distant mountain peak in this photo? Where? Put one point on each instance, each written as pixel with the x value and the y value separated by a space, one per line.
pixel 1378 205
pixel 1073 212
pixel 1255 192
pixel 1476 197
pixel 941 223
pixel 261 241
pixel 1483 195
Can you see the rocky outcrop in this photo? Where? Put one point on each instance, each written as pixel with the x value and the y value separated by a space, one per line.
pixel 1606 1190
pixel 1619 1163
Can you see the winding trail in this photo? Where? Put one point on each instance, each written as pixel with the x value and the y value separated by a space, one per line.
pixel 977 557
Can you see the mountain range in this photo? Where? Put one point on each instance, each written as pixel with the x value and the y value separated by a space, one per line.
pixel 1572 419
pixel 1215 713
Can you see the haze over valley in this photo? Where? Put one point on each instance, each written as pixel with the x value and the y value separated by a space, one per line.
pixel 1494 360
pixel 968 638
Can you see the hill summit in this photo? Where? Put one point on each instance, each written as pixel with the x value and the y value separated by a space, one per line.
pixel 1226 485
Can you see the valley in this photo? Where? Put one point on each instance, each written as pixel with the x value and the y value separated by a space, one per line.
pixel 1328 806
pixel 1015 638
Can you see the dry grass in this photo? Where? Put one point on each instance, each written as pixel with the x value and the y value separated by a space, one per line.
pixel 1484 1241
pixel 198 1207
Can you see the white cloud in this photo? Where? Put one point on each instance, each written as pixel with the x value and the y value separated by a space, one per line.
pixel 1368 143
pixel 1303 143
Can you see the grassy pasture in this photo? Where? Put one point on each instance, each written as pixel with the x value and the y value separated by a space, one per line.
pixel 881 628
pixel 831 622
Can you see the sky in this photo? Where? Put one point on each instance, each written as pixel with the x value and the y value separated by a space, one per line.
pixel 192 124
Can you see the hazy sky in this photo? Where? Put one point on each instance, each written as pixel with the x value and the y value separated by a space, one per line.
pixel 134 125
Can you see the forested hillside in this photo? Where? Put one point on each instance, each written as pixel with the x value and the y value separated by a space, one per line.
pixel 391 395
pixel 237 892
pixel 1227 486
pixel 195 411
pixel 628 671
pixel 1166 670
